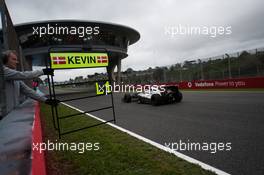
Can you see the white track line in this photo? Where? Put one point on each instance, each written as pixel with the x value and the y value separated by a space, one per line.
pixel 162 147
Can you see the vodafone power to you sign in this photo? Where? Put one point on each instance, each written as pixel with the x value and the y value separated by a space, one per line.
pixel 256 82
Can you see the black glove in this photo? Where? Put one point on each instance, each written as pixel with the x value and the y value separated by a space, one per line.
pixel 52 102
pixel 48 71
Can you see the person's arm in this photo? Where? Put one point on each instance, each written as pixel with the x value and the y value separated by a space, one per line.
pixel 31 93
pixel 11 74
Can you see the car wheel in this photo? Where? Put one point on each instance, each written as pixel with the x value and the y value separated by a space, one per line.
pixel 178 97
pixel 171 98
pixel 139 101
pixel 127 98
pixel 155 100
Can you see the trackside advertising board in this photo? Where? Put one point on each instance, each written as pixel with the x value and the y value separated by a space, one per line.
pixel 235 83
pixel 73 60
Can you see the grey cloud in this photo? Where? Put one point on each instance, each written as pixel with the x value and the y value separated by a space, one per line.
pixel 150 18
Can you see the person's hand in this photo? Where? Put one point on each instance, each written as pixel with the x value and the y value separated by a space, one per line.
pixel 52 102
pixel 48 71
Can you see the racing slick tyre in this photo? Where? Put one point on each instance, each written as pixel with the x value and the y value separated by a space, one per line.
pixel 139 101
pixel 171 98
pixel 127 98
pixel 178 97
pixel 155 100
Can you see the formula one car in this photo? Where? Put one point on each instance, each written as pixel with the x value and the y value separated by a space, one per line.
pixel 155 96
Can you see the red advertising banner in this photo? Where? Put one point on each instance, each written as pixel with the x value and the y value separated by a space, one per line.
pixel 256 82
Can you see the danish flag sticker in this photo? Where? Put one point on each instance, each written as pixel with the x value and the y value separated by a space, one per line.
pixel 59 60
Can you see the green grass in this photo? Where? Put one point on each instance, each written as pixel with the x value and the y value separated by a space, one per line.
pixel 119 153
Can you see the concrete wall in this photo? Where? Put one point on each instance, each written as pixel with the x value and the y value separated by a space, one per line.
pixel 16 141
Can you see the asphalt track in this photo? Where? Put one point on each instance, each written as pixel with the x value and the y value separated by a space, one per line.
pixel 207 116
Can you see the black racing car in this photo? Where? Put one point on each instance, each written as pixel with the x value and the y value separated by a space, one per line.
pixel 155 96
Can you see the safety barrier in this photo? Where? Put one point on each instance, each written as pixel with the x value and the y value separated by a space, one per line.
pixel 238 83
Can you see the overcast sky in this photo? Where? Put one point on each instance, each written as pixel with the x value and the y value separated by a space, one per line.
pixel 152 17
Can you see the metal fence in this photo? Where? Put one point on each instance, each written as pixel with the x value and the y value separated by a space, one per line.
pixel 249 63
